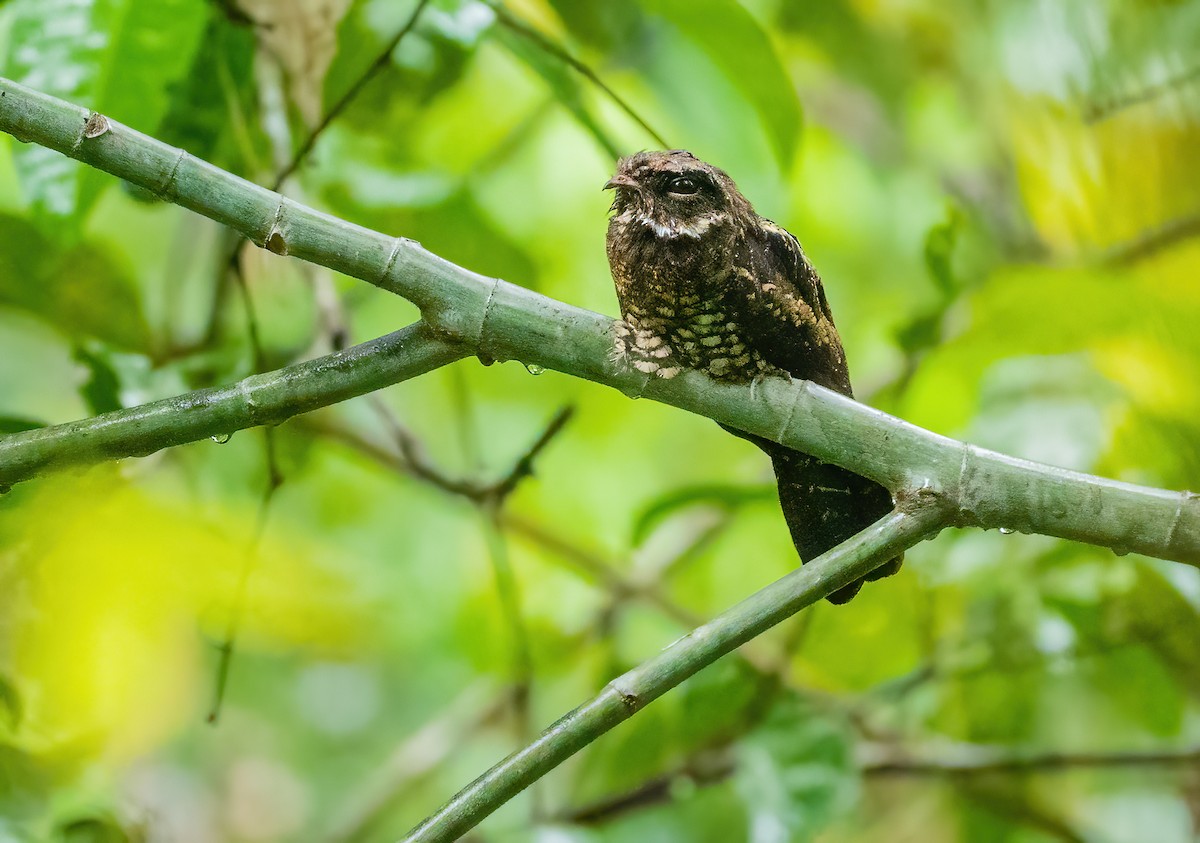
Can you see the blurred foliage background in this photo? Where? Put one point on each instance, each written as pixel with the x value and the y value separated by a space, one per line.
pixel 1004 201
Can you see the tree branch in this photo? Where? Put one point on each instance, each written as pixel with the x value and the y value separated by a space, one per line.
pixel 983 762
pixel 961 762
pixel 500 321
pixel 545 44
pixel 373 69
pixel 274 479
pixel 1153 241
pixel 919 517
pixel 264 399
pixel 940 481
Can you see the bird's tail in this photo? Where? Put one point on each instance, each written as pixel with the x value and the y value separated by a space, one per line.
pixel 824 505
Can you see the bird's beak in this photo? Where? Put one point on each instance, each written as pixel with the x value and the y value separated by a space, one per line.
pixel 619 180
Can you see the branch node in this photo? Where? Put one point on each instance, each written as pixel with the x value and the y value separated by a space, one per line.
pixel 275 241
pixel 629 698
pixel 168 184
pixel 479 339
pixel 253 408
pixel 1184 499
pixel 965 515
pixel 910 498
pixel 397 245
pixel 928 499
pixel 95 126
pixel 801 394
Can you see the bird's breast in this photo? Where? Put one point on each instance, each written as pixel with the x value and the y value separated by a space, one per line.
pixel 675 293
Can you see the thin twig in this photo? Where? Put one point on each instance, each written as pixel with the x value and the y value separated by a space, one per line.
pixel 378 64
pixel 1154 241
pixel 699 541
pixel 1095 113
pixel 596 568
pixel 300 156
pixel 922 516
pixel 510 608
pixel 419 465
pixel 523 467
pixel 705 768
pixel 580 560
pixel 714 766
pixel 544 43
pixel 509 595
pixel 491 506
pixel 237 610
pixel 983 762
pixel 418 755
pixel 489 499
pixel 413 455
pixel 273 482
pixel 413 462
pixel 1014 804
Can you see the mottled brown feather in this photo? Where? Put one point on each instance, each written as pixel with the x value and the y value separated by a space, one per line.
pixel 705 283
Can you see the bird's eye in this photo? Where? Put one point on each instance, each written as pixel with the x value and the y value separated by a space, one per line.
pixel 683 186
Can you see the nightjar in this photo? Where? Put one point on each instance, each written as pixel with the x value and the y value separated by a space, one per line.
pixel 706 283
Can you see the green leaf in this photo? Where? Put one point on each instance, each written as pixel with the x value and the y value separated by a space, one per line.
pixel 434 210
pixel 430 59
pixel 921 332
pixel 794 772
pixel 78 290
pixel 529 46
pixel 119 57
pixel 735 42
pixel 879 58
pixel 25 785
pixel 1156 612
pixel 606 25
pixel 1044 310
pixel 211 105
pixel 15 424
pixel 725 497
pixel 92 830
pixel 11 709
pixel 717 703
pixel 103 388
pixel 939 252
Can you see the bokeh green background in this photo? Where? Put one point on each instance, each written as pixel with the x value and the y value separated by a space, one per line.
pixel 1003 198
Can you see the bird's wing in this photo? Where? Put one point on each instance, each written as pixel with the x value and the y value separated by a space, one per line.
pixel 779 297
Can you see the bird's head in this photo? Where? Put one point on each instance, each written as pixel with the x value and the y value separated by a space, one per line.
pixel 674 193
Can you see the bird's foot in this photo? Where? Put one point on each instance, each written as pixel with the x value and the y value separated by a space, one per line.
pixel 642 350
pixel 767 372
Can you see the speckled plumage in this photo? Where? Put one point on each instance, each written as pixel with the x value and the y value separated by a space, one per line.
pixel 705 283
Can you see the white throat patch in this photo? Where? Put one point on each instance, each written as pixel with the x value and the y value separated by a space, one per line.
pixel 692 229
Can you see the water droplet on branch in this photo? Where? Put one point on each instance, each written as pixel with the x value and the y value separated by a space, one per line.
pixel 534 368
pixel 221 438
